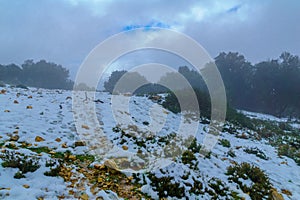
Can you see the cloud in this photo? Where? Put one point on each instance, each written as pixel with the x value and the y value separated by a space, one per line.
pixel 66 31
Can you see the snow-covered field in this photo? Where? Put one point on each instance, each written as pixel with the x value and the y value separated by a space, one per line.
pixel 36 118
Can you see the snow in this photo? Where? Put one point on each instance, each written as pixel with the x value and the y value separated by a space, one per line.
pixel 48 121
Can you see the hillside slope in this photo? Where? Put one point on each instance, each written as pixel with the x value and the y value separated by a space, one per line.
pixel 43 157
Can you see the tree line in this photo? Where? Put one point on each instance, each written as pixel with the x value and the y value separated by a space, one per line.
pixel 41 74
pixel 271 86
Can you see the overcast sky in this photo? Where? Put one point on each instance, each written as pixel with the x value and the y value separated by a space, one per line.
pixel 65 31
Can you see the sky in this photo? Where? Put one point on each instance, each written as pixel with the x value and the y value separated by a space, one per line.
pixel 65 31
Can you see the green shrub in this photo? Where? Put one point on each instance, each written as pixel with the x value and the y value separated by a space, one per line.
pixel 165 187
pixel 231 153
pixel 188 157
pixel 23 163
pixel 19 175
pixel 218 187
pixel 225 143
pixel 289 151
pixel 260 187
pixel 256 151
pixel 54 171
pixel 39 149
pixel 239 119
pixel 194 146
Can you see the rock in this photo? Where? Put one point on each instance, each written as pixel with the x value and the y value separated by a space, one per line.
pixel 30 97
pixel 64 145
pixel 85 127
pixel 58 140
pixel 99 166
pixel 52 152
pixel 29 107
pixel 39 139
pixel 2 188
pixel 111 164
pixel 84 197
pixel 275 195
pixel 16 132
pixel 125 147
pixel 284 163
pixel 99 179
pixel 7 111
pixel 72 157
pixel 12 145
pixel 26 186
pixel 16 102
pixel 79 143
pixel 3 91
pixel 286 192
pixel 14 138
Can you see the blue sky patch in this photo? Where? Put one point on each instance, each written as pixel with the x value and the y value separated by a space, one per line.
pixel 146 27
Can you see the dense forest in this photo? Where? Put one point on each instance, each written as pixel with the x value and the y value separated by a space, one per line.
pixel 271 86
pixel 41 74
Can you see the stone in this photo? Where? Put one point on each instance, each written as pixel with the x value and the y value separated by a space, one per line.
pixel 64 145
pixel 72 157
pixel 84 197
pixel 58 140
pixel 29 107
pixel 85 127
pixel 39 139
pixel 79 143
pixel 14 138
pixel 286 192
pixel 98 166
pixel 275 195
pixel 125 147
pixel 16 102
pixel 26 186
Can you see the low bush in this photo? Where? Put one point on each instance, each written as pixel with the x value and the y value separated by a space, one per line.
pixel 225 143
pixel 256 151
pixel 166 187
pixel 260 186
pixel 23 163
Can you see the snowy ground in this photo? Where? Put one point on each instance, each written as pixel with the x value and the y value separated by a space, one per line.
pixel 38 113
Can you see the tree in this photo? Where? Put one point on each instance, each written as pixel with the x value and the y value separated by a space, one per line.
pixel 45 75
pixel 236 73
pixel 130 80
pixel 276 86
pixel 41 74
